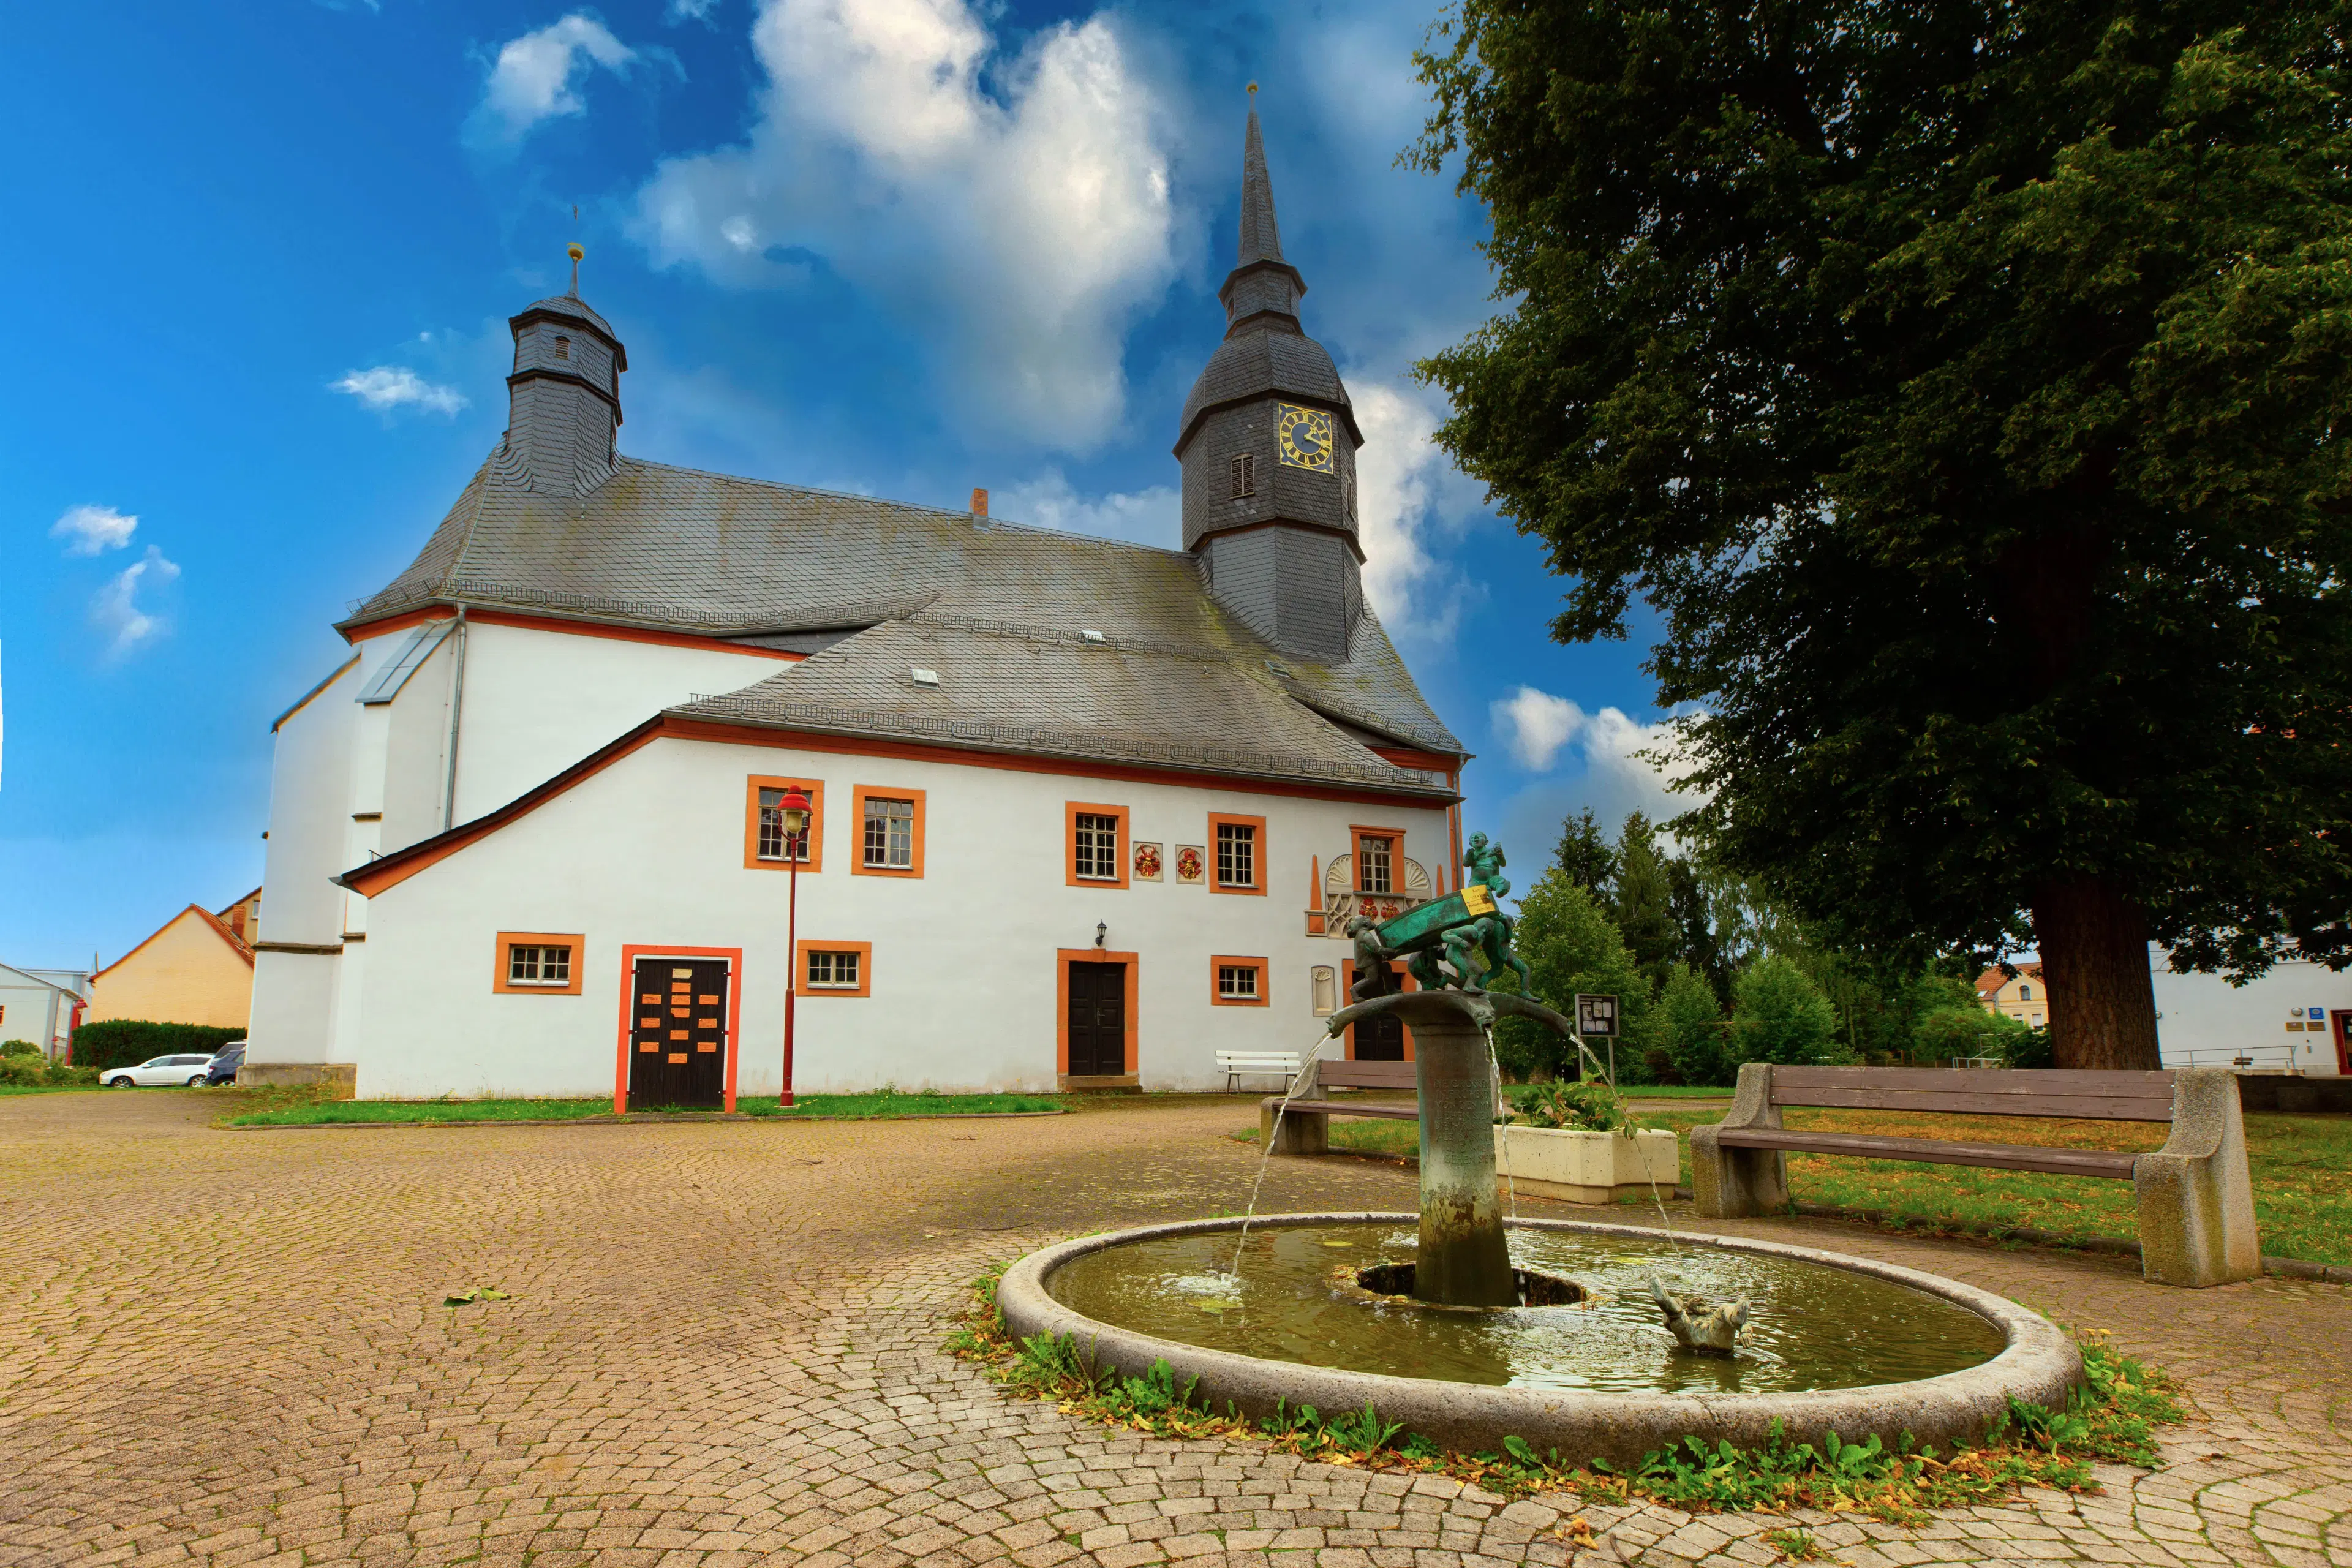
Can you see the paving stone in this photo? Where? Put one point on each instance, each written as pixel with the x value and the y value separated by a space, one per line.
pixel 723 1347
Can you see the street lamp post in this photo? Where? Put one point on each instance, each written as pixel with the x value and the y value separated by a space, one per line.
pixel 794 813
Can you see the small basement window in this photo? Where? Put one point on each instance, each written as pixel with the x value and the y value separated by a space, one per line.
pixel 538 965
pixel 832 968
pixel 1245 473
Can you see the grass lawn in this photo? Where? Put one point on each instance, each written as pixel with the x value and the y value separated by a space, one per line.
pixel 9 1089
pixel 878 1105
pixel 2301 1170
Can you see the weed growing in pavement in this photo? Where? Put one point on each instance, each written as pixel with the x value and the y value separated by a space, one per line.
pixel 2112 1418
pixel 1794 1546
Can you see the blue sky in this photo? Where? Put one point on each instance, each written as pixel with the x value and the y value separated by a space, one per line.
pixel 262 259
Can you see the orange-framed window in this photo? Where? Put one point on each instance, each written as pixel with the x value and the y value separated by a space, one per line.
pixel 889 831
pixel 1380 859
pixel 822 967
pixel 764 849
pixel 1236 854
pixel 538 964
pixel 1237 982
pixel 1094 844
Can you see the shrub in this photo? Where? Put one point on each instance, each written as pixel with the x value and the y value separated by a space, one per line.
pixel 127 1042
pixel 1971 1031
pixel 60 1074
pixel 1687 1025
pixel 1576 1107
pixel 19 1049
pixel 1779 1015
pixel 16 1069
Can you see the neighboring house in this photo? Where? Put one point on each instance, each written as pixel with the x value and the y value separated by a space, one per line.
pixel 194 970
pixel 2297 1017
pixel 243 918
pixel 1070 794
pixel 42 1006
pixel 2021 996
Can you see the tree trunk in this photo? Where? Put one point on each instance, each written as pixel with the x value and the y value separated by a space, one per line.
pixel 2094 943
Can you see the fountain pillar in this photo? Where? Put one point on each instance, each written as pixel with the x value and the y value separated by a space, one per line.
pixel 1464 1261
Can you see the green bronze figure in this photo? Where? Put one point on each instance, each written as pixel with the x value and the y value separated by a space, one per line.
pixel 1449 943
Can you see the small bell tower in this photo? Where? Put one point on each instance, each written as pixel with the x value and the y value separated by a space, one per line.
pixel 563 400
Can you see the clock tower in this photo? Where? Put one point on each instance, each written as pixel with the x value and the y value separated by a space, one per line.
pixel 1268 446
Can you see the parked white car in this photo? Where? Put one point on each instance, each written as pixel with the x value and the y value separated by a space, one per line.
pixel 184 1069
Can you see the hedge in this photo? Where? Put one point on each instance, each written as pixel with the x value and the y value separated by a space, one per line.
pixel 127 1042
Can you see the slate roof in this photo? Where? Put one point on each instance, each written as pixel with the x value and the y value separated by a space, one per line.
pixel 996 607
pixel 571 305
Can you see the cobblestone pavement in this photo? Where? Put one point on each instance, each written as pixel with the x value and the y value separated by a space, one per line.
pixel 722 1347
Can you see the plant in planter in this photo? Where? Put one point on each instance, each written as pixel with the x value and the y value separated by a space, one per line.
pixel 1574 1141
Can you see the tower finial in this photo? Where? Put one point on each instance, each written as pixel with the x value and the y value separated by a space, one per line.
pixel 577 254
pixel 1253 92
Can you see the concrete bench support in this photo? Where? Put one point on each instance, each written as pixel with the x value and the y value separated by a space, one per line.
pixel 1299 1132
pixel 1740 1184
pixel 2195 1194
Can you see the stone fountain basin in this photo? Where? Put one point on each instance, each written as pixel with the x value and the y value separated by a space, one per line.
pixel 2037 1364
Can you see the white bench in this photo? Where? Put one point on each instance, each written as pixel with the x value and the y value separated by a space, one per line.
pixel 1240 1064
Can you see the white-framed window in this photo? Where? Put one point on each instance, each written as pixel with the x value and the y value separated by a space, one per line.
pixel 1236 855
pixel 1244 471
pixel 536 966
pixel 832 969
pixel 2037 1020
pixel 772 830
pixel 1094 853
pixel 1375 864
pixel 890 834
pixel 1237 982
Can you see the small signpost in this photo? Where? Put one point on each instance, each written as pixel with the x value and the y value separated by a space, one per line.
pixel 1598 1016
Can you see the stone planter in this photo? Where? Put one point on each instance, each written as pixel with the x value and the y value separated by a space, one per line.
pixel 1585 1167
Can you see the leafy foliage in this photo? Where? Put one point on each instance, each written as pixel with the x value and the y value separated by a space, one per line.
pixel 2112 1418
pixel 1971 1031
pixel 1689 1025
pixel 1571 945
pixel 1588 1107
pixel 127 1042
pixel 1779 1015
pixel 1963 386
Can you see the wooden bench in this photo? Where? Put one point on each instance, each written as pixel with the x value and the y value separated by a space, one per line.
pixel 2194 1196
pixel 1244 1064
pixel 1304 1124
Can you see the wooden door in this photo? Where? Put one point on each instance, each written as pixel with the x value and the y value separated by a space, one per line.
pixel 677 1033
pixel 1381 1038
pixel 1097 1020
pixel 2343 1031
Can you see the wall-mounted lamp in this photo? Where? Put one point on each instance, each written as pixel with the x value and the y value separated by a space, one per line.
pixel 1102 930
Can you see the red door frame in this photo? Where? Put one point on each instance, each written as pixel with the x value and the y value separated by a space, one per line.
pixel 630 953
pixel 2341 1019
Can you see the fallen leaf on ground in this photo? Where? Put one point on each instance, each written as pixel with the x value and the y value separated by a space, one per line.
pixel 479 1293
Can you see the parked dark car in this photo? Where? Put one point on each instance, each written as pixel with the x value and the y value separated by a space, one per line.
pixel 225 1066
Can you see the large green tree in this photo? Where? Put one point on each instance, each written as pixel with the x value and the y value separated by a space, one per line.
pixel 1965 385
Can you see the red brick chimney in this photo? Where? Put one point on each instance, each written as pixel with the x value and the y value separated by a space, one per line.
pixel 979 503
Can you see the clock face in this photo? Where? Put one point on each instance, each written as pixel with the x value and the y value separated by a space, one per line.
pixel 1304 436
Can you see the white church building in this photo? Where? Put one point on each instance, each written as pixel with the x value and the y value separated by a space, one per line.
pixel 1086 813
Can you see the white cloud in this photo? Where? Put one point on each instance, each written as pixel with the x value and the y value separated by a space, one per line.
pixel 1408 492
pixel 1152 515
pixel 115 609
pixel 1024 225
pixel 390 386
pixel 1535 725
pixel 689 11
pixel 534 77
pixel 93 530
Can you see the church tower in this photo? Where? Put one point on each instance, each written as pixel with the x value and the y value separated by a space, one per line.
pixel 1269 445
pixel 563 400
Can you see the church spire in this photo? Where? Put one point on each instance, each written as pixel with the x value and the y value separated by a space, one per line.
pixel 1262 290
pixel 1261 241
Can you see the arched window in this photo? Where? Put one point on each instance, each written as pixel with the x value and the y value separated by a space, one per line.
pixel 562 347
pixel 2025 993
